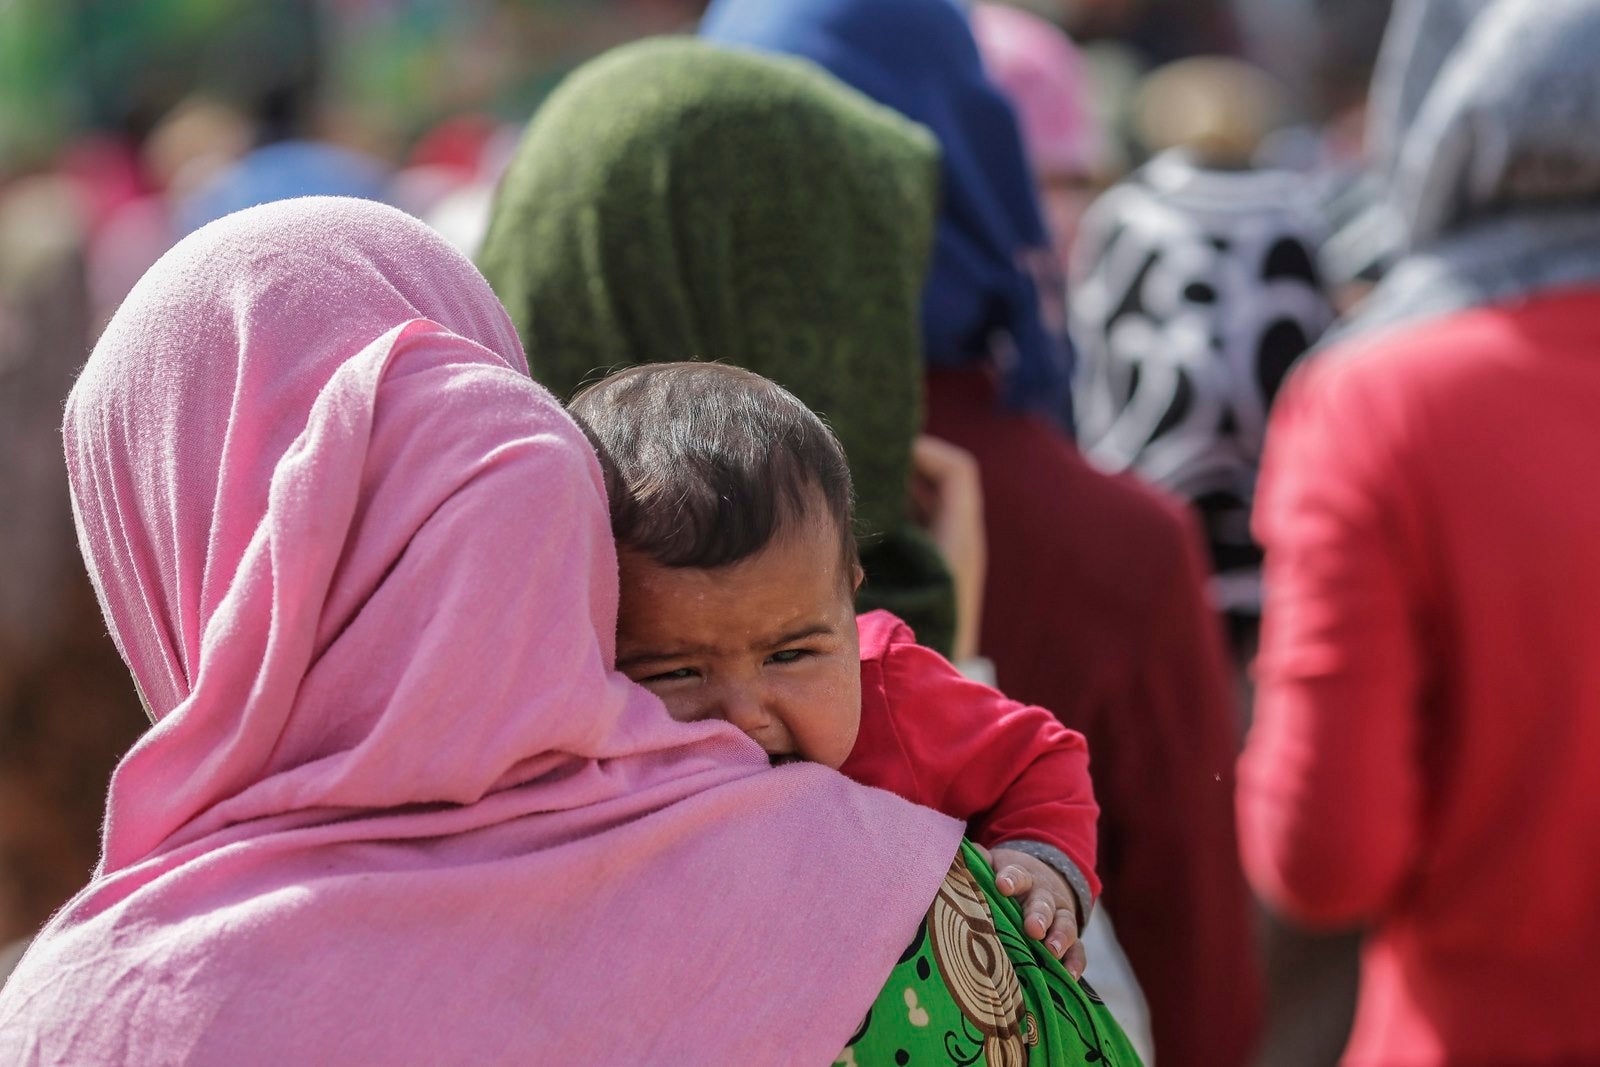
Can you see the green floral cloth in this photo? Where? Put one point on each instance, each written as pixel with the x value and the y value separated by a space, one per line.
pixel 971 989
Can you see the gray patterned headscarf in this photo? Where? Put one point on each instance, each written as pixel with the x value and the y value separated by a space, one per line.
pixel 1495 158
pixel 1420 36
pixel 1194 291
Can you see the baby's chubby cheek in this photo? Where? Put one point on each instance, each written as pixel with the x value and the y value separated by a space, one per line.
pixel 831 731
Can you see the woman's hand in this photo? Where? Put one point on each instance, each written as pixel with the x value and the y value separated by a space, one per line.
pixel 947 501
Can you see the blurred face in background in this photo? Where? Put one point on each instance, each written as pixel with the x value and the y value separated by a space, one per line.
pixel 1049 85
pixel 1086 18
pixel 1065 196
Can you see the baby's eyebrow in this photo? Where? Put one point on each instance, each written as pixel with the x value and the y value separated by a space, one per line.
pixel 800 633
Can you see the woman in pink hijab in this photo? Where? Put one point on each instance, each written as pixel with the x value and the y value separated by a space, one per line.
pixel 395 806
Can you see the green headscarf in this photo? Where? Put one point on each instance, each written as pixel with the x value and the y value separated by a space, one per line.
pixel 673 200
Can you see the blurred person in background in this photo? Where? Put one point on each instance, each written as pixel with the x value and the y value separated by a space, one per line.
pixel 280 171
pixel 1161 30
pixel 1093 605
pixel 1196 287
pixel 449 156
pixel 307 140
pixel 166 100
pixel 67 711
pixel 1324 52
pixel 1045 78
pixel 991 295
pixel 1198 284
pixel 1371 233
pixel 462 214
pixel 1218 109
pixel 186 148
pixel 1428 705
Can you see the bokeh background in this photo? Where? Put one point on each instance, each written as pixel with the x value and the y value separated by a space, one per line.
pixel 123 125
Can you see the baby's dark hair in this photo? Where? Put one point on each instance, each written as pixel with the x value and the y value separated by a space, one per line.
pixel 705 464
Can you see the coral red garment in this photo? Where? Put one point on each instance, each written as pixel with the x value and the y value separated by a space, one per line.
pixel 1094 608
pixel 1423 758
pixel 396 806
pixel 1011 771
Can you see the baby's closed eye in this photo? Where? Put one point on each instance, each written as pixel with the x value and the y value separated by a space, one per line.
pixel 677 674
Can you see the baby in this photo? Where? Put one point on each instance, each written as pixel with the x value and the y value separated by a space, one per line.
pixel 731 506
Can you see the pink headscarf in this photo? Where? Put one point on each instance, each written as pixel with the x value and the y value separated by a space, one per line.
pixel 1039 69
pixel 396 807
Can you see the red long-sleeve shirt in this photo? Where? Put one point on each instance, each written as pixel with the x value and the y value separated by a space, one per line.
pixel 1425 758
pixel 938 739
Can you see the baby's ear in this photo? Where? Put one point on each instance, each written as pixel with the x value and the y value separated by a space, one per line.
pixel 857 576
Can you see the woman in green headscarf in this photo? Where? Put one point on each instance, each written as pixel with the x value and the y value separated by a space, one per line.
pixel 671 202
pixel 675 201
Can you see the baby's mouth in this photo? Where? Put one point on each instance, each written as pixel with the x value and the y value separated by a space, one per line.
pixel 780 758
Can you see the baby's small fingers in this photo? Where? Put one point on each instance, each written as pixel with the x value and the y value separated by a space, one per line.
pixel 1063 933
pixel 1075 960
pixel 1013 880
pixel 1039 913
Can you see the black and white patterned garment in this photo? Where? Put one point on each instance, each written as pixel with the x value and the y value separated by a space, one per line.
pixel 1194 291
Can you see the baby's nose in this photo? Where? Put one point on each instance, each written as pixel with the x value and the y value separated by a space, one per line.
pixel 743 707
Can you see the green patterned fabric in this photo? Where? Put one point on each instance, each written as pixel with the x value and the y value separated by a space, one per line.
pixel 673 200
pixel 972 990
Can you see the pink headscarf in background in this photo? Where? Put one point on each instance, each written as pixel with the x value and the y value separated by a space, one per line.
pixel 396 807
pixel 1040 70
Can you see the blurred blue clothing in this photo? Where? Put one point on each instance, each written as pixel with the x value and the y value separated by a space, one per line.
pixel 280 171
pixel 982 300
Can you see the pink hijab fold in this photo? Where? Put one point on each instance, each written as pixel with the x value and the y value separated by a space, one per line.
pixel 396 806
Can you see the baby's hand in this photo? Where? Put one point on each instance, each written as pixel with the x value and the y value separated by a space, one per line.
pixel 1049 908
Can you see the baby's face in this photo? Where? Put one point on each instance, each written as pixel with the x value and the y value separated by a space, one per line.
pixel 768 643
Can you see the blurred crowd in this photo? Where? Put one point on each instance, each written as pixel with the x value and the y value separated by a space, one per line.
pixel 1221 184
